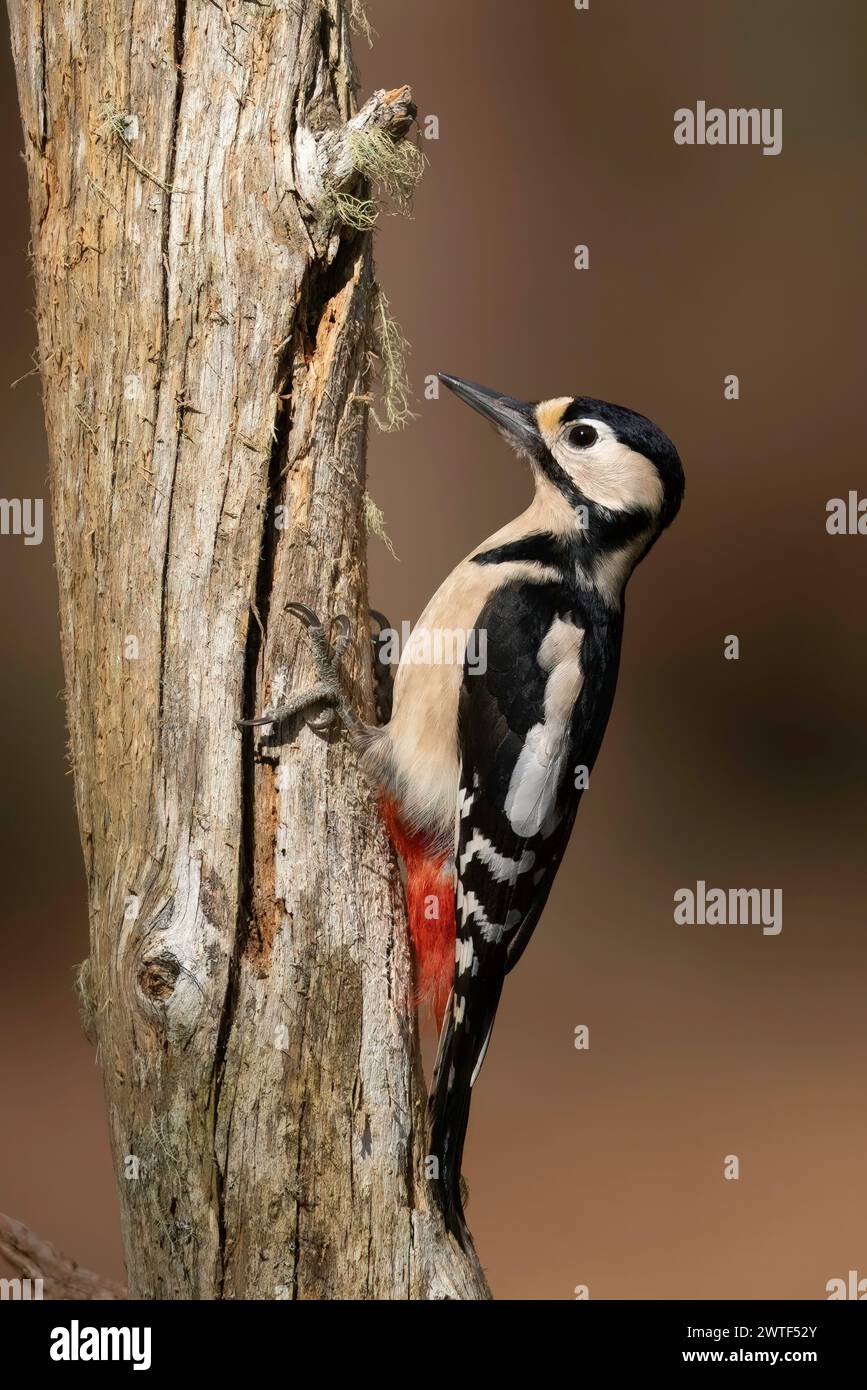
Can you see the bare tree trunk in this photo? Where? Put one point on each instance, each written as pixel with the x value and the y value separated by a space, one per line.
pixel 203 331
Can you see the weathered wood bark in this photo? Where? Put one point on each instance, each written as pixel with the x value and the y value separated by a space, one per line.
pixel 62 1278
pixel 203 337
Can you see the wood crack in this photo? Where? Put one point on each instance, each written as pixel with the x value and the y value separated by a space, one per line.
pixel 43 85
pixel 179 43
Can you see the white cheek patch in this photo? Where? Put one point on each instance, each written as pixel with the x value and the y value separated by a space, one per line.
pixel 609 472
pixel 530 802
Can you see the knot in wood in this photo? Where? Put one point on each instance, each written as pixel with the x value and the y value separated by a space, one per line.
pixel 158 976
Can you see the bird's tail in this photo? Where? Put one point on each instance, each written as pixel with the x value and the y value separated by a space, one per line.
pixel 459 1056
pixel 448 1117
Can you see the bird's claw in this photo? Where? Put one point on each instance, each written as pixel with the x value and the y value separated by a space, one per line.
pixel 327 692
pixel 314 625
pixel 307 616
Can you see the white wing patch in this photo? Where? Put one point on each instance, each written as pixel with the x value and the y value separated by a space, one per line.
pixel 538 771
pixel 502 868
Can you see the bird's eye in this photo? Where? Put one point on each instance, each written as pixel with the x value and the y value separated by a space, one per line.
pixel 582 436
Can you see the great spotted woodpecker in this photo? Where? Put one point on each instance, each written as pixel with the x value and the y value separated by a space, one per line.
pixel 482 765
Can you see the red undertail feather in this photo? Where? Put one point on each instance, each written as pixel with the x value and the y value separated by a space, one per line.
pixel 430 908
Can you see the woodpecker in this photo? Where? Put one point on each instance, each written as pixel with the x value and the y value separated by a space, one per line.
pixel 482 764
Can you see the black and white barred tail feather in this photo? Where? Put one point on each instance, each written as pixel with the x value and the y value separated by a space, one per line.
pixel 459 1056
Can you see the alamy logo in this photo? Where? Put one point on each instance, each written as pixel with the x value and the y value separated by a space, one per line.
pixel 846 517
pixel 853 1287
pixel 436 646
pixel 20 1290
pixel 739 125
pixel 77 1343
pixel 22 517
pixel 736 907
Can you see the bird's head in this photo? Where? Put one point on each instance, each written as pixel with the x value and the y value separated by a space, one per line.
pixel 611 469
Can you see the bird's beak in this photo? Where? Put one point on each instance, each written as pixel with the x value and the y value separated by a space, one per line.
pixel 516 419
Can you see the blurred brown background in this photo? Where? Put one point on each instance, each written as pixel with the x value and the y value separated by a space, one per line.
pixel 603 1167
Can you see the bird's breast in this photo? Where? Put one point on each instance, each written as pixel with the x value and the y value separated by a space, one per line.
pixel 423 733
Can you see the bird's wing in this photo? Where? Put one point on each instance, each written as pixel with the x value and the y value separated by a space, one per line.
pixel 516 805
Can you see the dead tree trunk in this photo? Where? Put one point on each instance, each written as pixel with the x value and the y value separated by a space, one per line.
pixel 204 312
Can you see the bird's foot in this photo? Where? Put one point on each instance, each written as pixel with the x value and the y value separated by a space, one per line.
pixel 324 701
